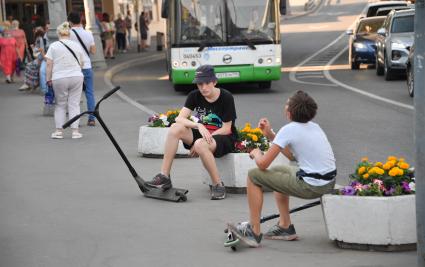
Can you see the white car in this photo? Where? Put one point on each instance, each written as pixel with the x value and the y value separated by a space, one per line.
pixel 373 7
pixel 393 43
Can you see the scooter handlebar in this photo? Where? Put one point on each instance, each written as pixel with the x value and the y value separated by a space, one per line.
pixel 108 94
pixel 68 123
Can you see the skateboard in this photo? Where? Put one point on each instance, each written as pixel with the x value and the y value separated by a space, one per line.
pixel 234 238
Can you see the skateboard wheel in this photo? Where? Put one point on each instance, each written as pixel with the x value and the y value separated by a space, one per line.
pixel 183 198
pixel 233 248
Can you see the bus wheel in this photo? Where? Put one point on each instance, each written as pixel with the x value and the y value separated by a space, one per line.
pixel 265 85
pixel 181 88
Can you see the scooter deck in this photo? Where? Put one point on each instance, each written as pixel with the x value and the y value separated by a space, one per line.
pixel 172 194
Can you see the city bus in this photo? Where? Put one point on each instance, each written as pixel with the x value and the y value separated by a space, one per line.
pixel 240 38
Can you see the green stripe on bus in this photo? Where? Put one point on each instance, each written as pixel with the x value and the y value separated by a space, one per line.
pixel 246 74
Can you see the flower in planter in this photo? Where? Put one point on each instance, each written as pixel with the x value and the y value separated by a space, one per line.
pixel 250 138
pixel 167 119
pixel 392 178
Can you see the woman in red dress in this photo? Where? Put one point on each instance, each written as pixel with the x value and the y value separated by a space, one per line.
pixel 19 35
pixel 8 55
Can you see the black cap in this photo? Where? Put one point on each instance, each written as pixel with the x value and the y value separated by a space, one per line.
pixel 205 74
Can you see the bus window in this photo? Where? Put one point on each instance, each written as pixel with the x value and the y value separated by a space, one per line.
pixel 201 20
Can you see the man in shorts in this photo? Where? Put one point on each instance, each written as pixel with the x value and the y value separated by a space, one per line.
pixel 210 133
pixel 300 140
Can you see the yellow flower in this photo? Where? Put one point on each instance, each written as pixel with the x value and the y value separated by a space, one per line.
pixel 379 164
pixel 403 165
pixel 396 172
pixel 248 125
pixel 366 176
pixel 390 158
pixel 401 159
pixel 361 170
pixel 365 159
pixel 254 138
pixel 387 166
pixel 379 171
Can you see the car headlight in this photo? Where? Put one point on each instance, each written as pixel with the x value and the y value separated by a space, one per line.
pixel 359 46
pixel 397 46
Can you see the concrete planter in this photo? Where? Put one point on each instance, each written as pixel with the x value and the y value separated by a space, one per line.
pixel 371 223
pixel 233 169
pixel 152 142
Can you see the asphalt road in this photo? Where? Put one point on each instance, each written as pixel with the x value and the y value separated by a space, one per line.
pixel 74 203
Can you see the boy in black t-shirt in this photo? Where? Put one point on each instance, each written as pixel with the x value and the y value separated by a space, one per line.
pixel 210 134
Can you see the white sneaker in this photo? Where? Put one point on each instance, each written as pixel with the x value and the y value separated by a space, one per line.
pixel 76 135
pixel 57 135
pixel 24 87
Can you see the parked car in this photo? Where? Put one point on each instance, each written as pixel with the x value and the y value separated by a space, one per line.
pixel 373 7
pixel 410 71
pixel 383 11
pixel 393 42
pixel 362 45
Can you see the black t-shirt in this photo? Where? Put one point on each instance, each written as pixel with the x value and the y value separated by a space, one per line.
pixel 212 115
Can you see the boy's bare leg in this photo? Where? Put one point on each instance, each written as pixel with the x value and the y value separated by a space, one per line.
pixel 282 202
pixel 176 133
pixel 255 202
pixel 205 152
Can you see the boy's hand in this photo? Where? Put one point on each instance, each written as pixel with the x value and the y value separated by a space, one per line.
pixel 266 127
pixel 255 153
pixel 192 152
pixel 206 135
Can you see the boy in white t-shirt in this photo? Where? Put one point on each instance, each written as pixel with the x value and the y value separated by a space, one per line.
pixel 303 141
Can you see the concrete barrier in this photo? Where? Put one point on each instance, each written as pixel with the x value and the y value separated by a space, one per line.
pixel 152 142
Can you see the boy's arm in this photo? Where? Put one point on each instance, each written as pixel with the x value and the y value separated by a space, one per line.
pixel 263 161
pixel 288 153
pixel 226 129
pixel 182 118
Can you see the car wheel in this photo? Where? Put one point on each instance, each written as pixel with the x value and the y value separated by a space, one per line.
pixel 355 65
pixel 379 68
pixel 265 85
pixel 388 74
pixel 410 81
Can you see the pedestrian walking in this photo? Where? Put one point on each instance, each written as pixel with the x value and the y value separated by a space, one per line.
pixel 144 28
pixel 9 53
pixel 121 28
pixel 32 69
pixel 65 59
pixel 128 24
pixel 301 140
pixel 86 40
pixel 20 37
pixel 210 134
pixel 109 30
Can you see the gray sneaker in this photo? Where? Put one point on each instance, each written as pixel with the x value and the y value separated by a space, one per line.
pixel 160 181
pixel 278 233
pixel 218 191
pixel 245 229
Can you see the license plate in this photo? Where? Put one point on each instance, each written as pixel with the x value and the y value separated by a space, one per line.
pixel 227 75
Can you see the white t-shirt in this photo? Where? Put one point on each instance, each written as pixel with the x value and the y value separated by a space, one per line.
pixel 310 147
pixel 64 63
pixel 88 41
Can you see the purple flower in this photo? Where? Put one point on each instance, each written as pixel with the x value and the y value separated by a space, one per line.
pixel 348 191
pixel 389 192
pixel 406 186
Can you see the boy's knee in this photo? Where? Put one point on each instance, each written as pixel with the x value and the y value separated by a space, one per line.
pixel 200 146
pixel 176 129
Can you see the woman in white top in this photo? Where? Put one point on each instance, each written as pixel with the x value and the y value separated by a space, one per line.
pixel 63 73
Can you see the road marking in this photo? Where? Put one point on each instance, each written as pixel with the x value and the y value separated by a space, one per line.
pixel 109 74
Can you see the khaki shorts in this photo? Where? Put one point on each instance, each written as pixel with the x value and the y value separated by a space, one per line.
pixel 283 179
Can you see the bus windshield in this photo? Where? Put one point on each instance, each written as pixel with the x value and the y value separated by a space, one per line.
pixel 225 22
